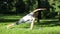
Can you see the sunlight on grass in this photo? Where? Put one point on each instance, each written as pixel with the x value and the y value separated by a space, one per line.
pixel 45 27
pixel 44 30
pixel 21 29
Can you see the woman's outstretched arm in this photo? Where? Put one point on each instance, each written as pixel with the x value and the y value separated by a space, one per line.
pixel 39 9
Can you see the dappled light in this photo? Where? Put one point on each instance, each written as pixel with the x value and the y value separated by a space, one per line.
pixel 13 14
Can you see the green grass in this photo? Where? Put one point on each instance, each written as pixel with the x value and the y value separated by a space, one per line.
pixel 44 27
pixel 21 29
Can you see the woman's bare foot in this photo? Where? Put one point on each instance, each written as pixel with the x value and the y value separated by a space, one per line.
pixel 10 26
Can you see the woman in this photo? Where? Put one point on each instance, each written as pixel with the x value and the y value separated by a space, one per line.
pixel 28 18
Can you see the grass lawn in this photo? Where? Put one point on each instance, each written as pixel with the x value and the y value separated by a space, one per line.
pixel 44 27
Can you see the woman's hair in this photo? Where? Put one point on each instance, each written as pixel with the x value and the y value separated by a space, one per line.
pixel 35 14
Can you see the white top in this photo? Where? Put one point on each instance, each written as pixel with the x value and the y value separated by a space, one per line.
pixel 29 17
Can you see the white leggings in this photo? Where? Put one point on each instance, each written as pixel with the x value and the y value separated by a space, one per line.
pixel 22 21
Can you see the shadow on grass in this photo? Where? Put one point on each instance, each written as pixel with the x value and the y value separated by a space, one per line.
pixel 48 24
pixel 8 20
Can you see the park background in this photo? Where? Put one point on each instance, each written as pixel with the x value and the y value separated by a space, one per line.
pixel 12 10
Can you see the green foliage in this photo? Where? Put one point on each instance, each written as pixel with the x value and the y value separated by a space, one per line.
pixel 18 6
pixel 26 6
pixel 55 4
pixel 53 7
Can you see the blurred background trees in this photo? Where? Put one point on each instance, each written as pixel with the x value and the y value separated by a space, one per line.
pixel 26 6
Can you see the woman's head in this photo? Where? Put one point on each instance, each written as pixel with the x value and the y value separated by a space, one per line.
pixel 35 14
